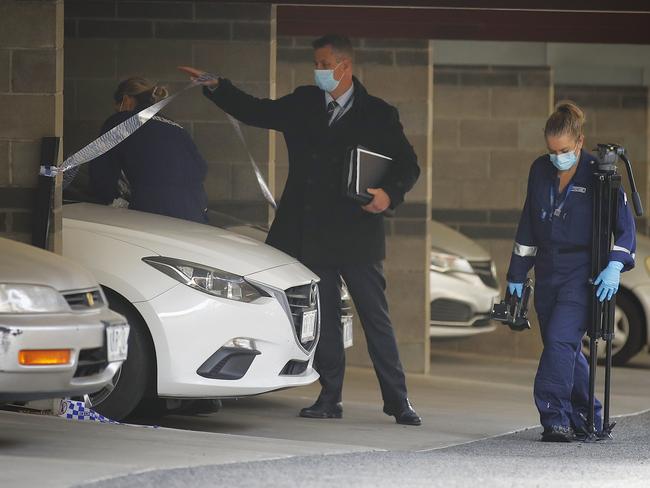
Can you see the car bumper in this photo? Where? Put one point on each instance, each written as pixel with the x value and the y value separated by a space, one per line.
pixel 642 293
pixel 77 332
pixel 460 305
pixel 192 332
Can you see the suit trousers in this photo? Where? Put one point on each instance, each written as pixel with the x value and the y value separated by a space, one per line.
pixel 367 285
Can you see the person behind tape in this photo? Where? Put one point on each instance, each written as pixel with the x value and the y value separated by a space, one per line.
pixel 554 236
pixel 162 165
pixel 315 222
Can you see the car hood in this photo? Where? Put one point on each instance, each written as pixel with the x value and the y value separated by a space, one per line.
pixel 448 240
pixel 175 238
pixel 24 264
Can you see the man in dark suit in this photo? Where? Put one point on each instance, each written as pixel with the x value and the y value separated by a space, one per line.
pixel 333 235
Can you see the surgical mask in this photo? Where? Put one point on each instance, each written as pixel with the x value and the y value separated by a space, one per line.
pixel 564 161
pixel 324 79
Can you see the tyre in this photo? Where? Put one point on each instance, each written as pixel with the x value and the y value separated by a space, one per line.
pixel 129 385
pixel 629 323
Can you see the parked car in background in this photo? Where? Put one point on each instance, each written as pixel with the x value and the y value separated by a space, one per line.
pixel 57 336
pixel 631 325
pixel 213 314
pixel 463 285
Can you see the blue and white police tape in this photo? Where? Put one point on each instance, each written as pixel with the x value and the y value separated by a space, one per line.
pixel 120 132
pixel 77 410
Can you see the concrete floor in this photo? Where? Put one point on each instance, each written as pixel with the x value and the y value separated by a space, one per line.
pixel 464 399
pixel 515 460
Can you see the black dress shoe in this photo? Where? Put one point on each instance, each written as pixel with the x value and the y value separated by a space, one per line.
pixel 323 410
pixel 404 414
pixel 558 433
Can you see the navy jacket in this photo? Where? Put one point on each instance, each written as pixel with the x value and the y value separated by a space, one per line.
pixel 162 164
pixel 314 221
pixel 555 231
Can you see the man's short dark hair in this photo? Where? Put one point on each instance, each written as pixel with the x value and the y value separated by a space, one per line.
pixel 340 44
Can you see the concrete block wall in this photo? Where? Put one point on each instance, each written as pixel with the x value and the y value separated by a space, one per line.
pixel 488 129
pixel 31 97
pixel 488 123
pixel 399 71
pixel 110 40
pixel 617 114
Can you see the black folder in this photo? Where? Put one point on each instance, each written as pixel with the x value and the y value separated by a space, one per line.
pixel 363 169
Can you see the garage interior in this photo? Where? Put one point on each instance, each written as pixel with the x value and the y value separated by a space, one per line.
pixel 473 86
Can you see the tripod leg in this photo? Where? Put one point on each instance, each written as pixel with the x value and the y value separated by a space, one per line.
pixel 608 335
pixel 593 358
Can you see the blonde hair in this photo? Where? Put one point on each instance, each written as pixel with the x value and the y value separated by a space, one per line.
pixel 144 92
pixel 567 118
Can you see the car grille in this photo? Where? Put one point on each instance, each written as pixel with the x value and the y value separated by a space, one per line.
pixel 445 310
pixel 484 271
pixel 302 298
pixel 91 361
pixel 84 300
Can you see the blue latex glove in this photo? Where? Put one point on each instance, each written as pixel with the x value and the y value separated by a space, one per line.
pixel 516 288
pixel 608 279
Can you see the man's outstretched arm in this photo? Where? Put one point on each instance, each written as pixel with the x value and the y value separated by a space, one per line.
pixel 258 112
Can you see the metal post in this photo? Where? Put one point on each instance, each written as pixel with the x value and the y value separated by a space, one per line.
pixel 45 193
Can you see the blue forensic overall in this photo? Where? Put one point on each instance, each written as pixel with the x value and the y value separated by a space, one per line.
pixel 554 235
pixel 162 164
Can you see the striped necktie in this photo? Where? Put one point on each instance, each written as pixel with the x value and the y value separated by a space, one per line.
pixel 331 107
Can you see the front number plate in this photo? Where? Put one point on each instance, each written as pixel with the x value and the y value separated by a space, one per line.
pixel 308 329
pixel 117 342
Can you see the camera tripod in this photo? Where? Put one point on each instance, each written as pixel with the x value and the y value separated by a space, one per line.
pixel 607 183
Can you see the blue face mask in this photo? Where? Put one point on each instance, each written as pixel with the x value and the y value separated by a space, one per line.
pixel 324 79
pixel 564 161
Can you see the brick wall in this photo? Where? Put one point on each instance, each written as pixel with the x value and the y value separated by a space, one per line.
pixel 109 40
pixel 488 126
pixel 488 123
pixel 399 72
pixel 617 114
pixel 31 97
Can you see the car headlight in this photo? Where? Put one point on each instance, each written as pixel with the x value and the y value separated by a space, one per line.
pixel 445 263
pixel 206 279
pixel 31 299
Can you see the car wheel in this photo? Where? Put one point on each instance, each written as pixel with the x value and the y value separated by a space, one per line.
pixel 127 388
pixel 628 332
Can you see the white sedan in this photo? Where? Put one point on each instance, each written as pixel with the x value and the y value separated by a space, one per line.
pixel 463 285
pixel 57 336
pixel 213 314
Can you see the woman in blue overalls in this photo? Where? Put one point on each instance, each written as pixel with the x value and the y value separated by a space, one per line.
pixel 554 236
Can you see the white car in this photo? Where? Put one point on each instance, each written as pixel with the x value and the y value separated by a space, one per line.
pixel 57 336
pixel 213 314
pixel 463 285
pixel 260 233
pixel 631 324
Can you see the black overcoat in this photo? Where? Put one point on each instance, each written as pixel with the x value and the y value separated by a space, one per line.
pixel 314 221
